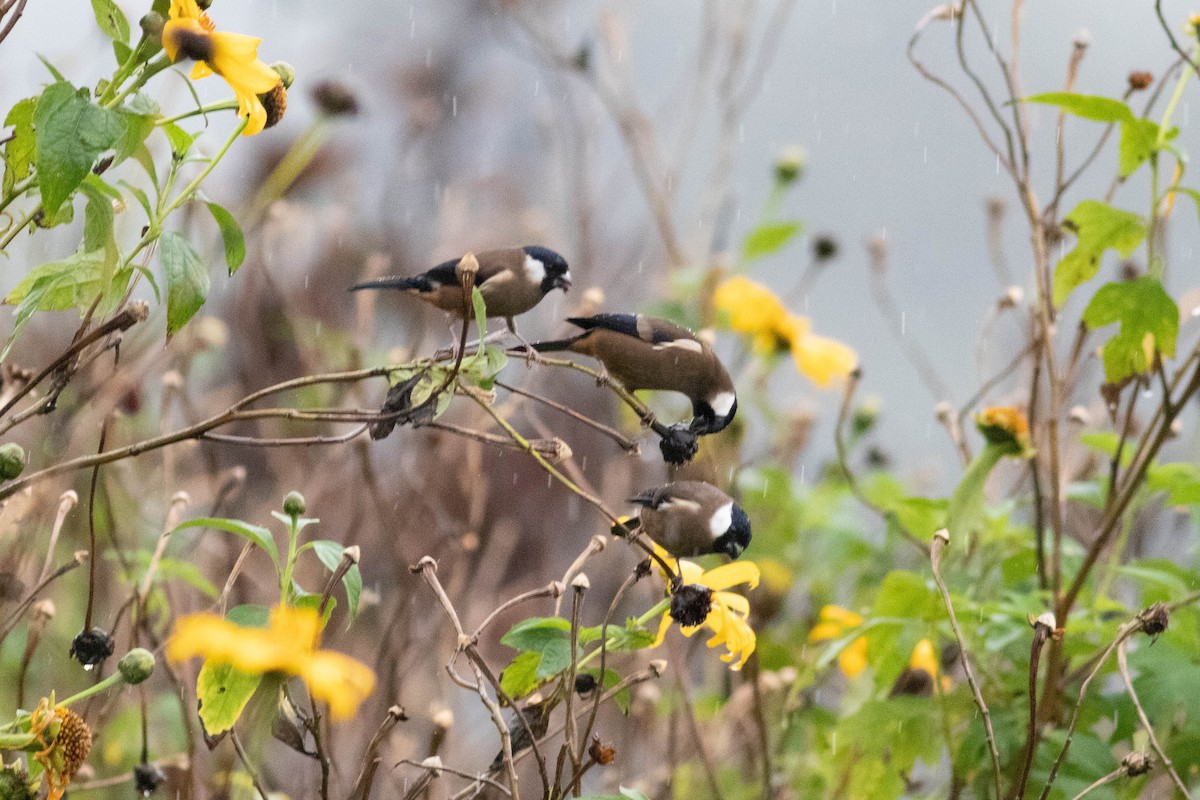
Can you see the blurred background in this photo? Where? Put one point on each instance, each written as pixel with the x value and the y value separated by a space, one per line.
pixel 638 139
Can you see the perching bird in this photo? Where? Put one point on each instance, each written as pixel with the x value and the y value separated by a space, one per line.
pixel 512 281
pixel 693 518
pixel 647 353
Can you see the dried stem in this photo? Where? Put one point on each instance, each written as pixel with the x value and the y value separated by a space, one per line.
pixel 1123 666
pixel 940 540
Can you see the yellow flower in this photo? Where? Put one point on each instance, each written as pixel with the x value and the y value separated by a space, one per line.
pixel 189 33
pixel 727 617
pixel 1008 426
pixel 924 658
pixel 65 740
pixel 288 644
pixel 755 310
pixel 833 623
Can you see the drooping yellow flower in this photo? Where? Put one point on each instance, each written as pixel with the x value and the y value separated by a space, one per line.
pixel 189 33
pixel 65 740
pixel 727 617
pixel 926 659
pixel 833 623
pixel 288 644
pixel 755 310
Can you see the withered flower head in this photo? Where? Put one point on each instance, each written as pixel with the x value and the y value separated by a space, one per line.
pixel 147 777
pixel 92 647
pixel 690 605
pixel 1155 619
pixel 1140 79
pixel 275 103
pixel 825 247
pixel 335 99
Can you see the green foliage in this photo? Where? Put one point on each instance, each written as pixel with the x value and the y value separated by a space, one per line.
pixel 330 554
pixel 231 235
pixel 1099 227
pixel 187 280
pixel 253 533
pixel 71 132
pixel 769 238
pixel 19 150
pixel 1139 137
pixel 1149 322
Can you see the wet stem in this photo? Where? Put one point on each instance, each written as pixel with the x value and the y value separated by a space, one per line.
pixel 1155 264
pixel 285 577
pixel 660 607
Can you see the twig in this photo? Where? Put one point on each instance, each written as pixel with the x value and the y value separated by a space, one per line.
pixel 1123 665
pixel 460 773
pixel 1170 37
pixel 1043 628
pixel 1107 779
pixel 15 617
pixel 940 540
pixel 595 545
pixel 370 759
pixel 626 444
pixel 65 503
pixel 630 579
pixel 237 745
pixel 552 589
pixel 13 20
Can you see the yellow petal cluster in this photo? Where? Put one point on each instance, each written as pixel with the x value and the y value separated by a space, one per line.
pixel 832 623
pixel 925 658
pixel 1008 426
pixel 288 645
pixel 65 741
pixel 728 618
pixel 756 311
pixel 189 33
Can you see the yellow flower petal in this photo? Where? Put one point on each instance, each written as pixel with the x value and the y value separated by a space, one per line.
pixel 749 307
pixel 924 658
pixel 732 574
pixel 853 658
pixel 840 616
pixel 338 680
pixel 736 603
pixel 200 69
pixel 823 360
pixel 663 626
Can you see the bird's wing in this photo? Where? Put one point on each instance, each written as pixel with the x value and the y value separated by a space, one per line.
pixel 648 329
pixel 444 274
pixel 651 498
pixel 662 497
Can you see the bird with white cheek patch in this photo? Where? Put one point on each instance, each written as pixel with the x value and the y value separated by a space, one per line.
pixel 512 281
pixel 647 353
pixel 693 518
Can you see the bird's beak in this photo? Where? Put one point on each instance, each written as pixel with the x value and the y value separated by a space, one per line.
pixel 563 282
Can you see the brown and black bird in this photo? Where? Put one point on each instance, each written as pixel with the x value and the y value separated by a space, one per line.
pixel 648 353
pixel 512 281
pixel 693 518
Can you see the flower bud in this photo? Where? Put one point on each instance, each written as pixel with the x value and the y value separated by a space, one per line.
pixel 293 504
pixel 12 461
pixel 286 73
pixel 1007 426
pixel 789 166
pixel 152 25
pixel 136 666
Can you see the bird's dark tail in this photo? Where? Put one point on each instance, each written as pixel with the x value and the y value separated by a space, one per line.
pixel 417 283
pixel 555 345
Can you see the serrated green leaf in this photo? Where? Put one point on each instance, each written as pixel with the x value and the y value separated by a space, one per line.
pixel 260 536
pixel 71 132
pixel 223 693
pixel 187 280
pixel 330 554
pixel 19 150
pixel 231 236
pixel 1093 107
pixel 1149 322
pixel 1099 227
pixel 111 20
pixel 534 633
pixel 768 238
pixel 73 282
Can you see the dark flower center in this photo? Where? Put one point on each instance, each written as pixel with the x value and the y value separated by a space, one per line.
pixel 196 46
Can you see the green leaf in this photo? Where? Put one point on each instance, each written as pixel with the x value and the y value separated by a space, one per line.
pixel 1149 322
pixel 519 678
pixel 19 150
pixel 231 235
pixel 1099 227
pixel 111 21
pixel 547 637
pixel 137 128
pixel 98 221
pixel 249 615
pixel 330 554
pixel 58 76
pixel 1139 140
pixel 71 132
pixel 1180 481
pixel 768 238
pixel 223 693
pixel 1192 193
pixel 479 307
pixel 965 511
pixel 1099 109
pixel 260 536
pixel 187 280
pixel 185 571
pixel 181 141
pixel 1107 442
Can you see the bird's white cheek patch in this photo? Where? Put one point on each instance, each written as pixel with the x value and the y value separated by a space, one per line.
pixel 534 269
pixel 722 403
pixel 721 519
